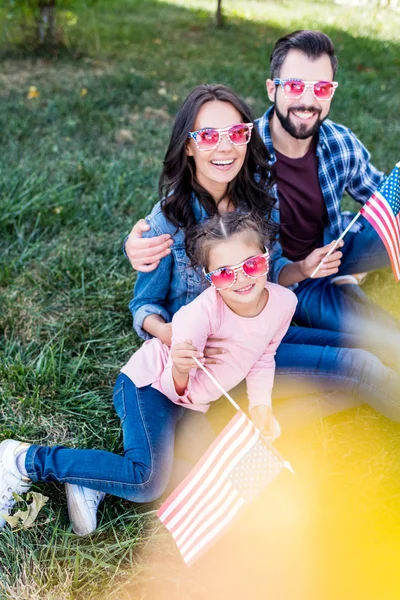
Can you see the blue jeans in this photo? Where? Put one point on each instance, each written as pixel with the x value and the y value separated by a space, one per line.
pixel 309 359
pixel 141 474
pixel 313 360
pixel 347 308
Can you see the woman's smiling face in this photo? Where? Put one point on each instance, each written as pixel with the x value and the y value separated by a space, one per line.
pixel 216 168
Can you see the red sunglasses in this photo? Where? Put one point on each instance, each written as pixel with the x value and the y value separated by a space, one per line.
pixel 296 88
pixel 210 137
pixel 225 277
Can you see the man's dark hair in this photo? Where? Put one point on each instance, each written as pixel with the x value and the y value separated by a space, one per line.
pixel 312 43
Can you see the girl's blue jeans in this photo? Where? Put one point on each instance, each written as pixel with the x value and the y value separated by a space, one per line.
pixel 141 474
pixel 308 361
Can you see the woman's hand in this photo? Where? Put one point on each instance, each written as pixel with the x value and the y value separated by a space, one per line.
pixel 263 419
pixel 145 254
pixel 330 265
pixel 211 352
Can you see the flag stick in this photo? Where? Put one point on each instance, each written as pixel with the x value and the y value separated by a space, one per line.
pixel 207 372
pixel 336 243
pixel 266 441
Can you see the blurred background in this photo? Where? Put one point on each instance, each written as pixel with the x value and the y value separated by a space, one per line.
pixel 88 94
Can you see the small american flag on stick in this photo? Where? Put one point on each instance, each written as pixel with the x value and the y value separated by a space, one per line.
pixel 382 211
pixel 234 470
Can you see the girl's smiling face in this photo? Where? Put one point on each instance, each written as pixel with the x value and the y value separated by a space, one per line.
pixel 247 297
pixel 216 168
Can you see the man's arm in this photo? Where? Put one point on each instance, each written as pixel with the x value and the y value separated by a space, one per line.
pixel 145 254
pixel 364 179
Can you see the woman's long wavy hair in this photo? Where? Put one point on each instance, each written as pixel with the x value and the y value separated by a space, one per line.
pixel 250 190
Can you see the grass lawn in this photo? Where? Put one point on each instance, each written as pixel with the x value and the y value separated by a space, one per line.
pixel 79 165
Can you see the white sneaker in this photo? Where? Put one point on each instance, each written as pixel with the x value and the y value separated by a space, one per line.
pixel 82 508
pixel 11 479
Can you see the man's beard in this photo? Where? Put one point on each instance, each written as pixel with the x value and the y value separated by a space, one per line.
pixel 303 131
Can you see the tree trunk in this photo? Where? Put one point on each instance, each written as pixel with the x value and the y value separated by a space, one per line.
pixel 218 16
pixel 46 31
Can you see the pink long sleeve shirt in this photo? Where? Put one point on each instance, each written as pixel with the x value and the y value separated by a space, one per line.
pixel 250 344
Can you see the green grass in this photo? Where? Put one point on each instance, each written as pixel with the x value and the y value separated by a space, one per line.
pixel 70 193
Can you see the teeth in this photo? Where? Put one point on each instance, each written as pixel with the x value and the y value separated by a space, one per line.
pixel 303 114
pixel 222 162
pixel 244 289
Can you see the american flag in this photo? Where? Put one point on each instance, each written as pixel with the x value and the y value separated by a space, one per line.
pixel 233 471
pixel 382 211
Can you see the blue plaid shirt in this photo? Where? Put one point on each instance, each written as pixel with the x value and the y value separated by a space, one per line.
pixel 343 166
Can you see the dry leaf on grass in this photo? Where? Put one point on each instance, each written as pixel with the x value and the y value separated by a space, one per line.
pixel 134 117
pixel 124 136
pixel 24 519
pixel 33 93
pixel 156 113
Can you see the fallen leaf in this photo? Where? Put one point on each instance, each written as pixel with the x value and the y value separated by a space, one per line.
pixel 157 41
pixel 124 136
pixel 25 518
pixel 134 117
pixel 157 113
pixel 364 68
pixel 33 93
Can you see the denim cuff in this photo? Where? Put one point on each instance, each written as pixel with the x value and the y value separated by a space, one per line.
pixel 276 267
pixel 143 312
pixel 124 246
pixel 30 462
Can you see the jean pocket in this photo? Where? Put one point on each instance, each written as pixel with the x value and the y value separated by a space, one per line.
pixel 119 401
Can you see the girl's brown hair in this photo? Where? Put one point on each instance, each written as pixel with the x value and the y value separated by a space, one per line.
pixel 202 237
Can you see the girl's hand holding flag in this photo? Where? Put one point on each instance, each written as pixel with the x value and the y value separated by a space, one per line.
pixel 182 355
pixel 263 419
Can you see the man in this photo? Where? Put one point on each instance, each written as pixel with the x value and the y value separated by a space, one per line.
pixel 316 162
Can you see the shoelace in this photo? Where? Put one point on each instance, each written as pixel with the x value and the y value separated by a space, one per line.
pixel 96 500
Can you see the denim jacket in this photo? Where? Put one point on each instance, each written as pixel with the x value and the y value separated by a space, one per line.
pixel 174 283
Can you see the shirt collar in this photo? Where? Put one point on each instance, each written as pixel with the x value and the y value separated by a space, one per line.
pixel 266 133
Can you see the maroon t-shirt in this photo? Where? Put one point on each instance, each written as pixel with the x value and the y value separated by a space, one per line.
pixel 302 209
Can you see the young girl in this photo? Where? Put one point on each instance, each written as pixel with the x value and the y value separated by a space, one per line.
pixel 158 384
